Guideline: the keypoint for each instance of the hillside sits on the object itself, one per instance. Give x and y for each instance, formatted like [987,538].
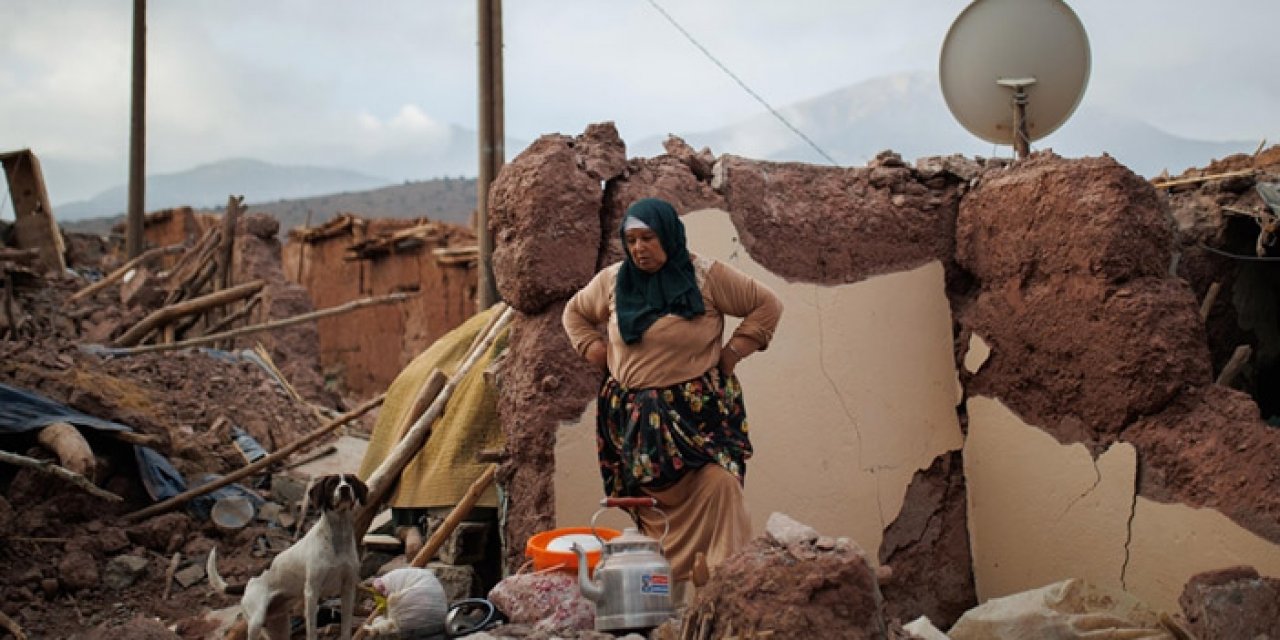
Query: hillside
[209,185]
[442,199]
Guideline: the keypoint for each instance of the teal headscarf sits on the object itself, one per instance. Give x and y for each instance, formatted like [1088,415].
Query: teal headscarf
[641,298]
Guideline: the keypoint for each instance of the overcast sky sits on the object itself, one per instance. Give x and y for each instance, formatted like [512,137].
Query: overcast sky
[296,81]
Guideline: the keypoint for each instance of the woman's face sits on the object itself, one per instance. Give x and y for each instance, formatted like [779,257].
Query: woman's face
[645,248]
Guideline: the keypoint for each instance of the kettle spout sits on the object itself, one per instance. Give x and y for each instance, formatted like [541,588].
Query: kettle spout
[590,590]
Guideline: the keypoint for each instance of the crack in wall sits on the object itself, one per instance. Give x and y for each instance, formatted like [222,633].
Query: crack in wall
[844,405]
[1097,480]
[1128,535]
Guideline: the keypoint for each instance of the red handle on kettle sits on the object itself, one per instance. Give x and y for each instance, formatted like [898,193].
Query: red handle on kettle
[628,503]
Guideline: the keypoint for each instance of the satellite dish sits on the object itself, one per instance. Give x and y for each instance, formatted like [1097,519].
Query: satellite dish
[1011,66]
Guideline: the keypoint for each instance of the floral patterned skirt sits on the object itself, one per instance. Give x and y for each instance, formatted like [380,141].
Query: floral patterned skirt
[650,438]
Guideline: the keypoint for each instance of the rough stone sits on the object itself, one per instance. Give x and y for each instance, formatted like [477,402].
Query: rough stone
[459,582]
[601,151]
[544,214]
[927,546]
[190,574]
[122,571]
[112,540]
[1232,603]
[701,163]
[78,570]
[833,225]
[1048,217]
[766,588]
[156,533]
[260,225]
[1080,358]
[786,531]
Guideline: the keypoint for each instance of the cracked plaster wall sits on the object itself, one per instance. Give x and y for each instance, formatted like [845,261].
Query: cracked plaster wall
[1041,511]
[855,395]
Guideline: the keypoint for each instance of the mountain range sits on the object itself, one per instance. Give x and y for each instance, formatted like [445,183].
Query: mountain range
[904,112]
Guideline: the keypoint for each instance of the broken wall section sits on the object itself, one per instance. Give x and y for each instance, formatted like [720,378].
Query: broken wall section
[351,258]
[547,209]
[1094,343]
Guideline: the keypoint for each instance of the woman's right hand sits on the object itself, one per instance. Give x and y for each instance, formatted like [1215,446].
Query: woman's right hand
[598,355]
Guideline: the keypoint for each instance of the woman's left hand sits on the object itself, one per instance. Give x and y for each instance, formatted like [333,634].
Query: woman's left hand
[728,361]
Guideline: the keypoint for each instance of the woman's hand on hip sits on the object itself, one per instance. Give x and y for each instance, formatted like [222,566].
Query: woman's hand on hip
[598,355]
[728,361]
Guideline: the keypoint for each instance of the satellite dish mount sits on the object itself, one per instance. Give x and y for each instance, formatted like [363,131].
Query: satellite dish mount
[1021,139]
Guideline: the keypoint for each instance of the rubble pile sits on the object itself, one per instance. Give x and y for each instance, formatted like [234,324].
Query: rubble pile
[74,566]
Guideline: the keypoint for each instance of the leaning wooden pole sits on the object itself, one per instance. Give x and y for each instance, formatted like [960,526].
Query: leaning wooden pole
[262,463]
[124,269]
[56,471]
[266,326]
[384,477]
[162,316]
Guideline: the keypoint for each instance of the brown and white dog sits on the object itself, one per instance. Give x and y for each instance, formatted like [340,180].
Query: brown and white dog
[324,563]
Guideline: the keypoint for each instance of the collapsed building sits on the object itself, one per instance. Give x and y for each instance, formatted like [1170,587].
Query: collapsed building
[990,375]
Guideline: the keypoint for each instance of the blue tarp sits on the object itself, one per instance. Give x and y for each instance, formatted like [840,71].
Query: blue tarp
[22,411]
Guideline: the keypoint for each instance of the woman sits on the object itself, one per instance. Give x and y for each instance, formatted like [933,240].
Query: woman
[670,421]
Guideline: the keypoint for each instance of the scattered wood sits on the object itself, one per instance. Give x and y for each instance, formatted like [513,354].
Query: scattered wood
[451,256]
[144,258]
[400,240]
[437,540]
[23,256]
[267,326]
[68,444]
[168,575]
[226,252]
[1210,297]
[192,265]
[385,476]
[262,463]
[335,227]
[12,627]
[60,473]
[1165,184]
[1239,358]
[233,317]
[165,315]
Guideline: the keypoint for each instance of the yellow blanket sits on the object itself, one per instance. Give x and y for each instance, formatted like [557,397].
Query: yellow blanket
[441,473]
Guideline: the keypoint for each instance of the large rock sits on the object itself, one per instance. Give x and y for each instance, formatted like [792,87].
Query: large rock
[1232,603]
[78,570]
[1048,217]
[1081,358]
[835,225]
[803,590]
[601,151]
[544,214]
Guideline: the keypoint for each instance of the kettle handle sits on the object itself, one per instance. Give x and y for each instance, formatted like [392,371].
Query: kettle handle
[626,503]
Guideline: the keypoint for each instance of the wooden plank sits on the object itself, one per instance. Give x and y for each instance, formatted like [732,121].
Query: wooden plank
[34,226]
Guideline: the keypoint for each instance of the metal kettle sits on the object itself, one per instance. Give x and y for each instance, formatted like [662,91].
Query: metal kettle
[632,585]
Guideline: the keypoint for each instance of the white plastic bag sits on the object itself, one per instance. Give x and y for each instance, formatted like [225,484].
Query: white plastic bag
[416,601]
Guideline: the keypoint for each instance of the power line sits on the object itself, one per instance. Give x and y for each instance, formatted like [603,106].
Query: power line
[742,84]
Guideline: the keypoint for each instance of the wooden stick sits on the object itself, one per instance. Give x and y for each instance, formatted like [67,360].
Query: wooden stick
[268,326]
[58,472]
[135,438]
[1239,358]
[168,575]
[12,627]
[1210,297]
[437,540]
[121,271]
[233,317]
[164,315]
[384,477]
[262,463]
[1198,179]
[193,264]
[20,255]
[227,251]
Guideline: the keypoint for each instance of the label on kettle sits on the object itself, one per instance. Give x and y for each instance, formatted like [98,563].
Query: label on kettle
[657,583]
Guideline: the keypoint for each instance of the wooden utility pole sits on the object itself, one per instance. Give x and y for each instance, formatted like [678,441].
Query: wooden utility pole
[492,153]
[137,131]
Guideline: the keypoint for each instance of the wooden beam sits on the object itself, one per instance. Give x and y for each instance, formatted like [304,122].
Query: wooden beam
[161,317]
[124,269]
[1198,179]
